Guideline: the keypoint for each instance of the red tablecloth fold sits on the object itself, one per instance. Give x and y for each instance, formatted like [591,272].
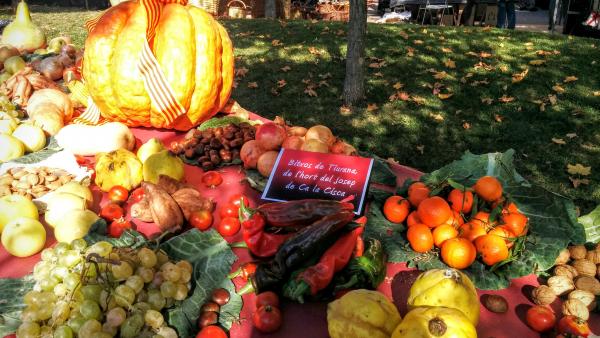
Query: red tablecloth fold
[310,320]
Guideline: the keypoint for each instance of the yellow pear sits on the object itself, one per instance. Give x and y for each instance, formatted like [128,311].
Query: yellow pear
[151,147]
[33,137]
[23,237]
[59,203]
[163,163]
[10,148]
[74,224]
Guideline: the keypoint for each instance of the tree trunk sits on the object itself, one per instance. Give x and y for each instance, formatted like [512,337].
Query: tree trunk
[354,83]
[270,9]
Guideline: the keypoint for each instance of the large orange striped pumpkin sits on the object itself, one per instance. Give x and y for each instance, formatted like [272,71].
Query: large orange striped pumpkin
[191,47]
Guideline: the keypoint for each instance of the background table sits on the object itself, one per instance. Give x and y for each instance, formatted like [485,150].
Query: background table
[310,320]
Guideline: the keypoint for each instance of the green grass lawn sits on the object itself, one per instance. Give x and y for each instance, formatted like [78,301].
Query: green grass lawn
[549,122]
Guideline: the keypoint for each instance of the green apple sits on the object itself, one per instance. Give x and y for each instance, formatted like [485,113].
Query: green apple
[10,148]
[24,237]
[151,147]
[33,137]
[74,224]
[16,206]
[7,126]
[78,189]
[59,203]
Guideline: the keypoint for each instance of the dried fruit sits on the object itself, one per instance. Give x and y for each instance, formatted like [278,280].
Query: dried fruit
[577,251]
[563,257]
[543,295]
[585,297]
[584,267]
[560,285]
[165,211]
[575,307]
[565,270]
[190,200]
[141,210]
[588,283]
[495,303]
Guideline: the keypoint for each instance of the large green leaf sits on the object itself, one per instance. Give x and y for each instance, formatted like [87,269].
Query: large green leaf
[12,291]
[129,238]
[216,122]
[591,224]
[552,221]
[212,259]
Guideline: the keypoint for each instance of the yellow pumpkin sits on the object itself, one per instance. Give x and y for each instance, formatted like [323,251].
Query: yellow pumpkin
[435,322]
[362,314]
[445,287]
[191,47]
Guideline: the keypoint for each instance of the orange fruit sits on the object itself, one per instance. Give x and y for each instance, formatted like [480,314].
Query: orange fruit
[458,253]
[461,201]
[455,220]
[434,211]
[396,209]
[488,188]
[515,221]
[492,248]
[420,238]
[413,218]
[442,233]
[504,232]
[471,231]
[511,207]
[482,218]
[417,192]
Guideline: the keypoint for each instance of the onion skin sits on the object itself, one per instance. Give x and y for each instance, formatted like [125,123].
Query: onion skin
[51,68]
[320,133]
[293,142]
[315,146]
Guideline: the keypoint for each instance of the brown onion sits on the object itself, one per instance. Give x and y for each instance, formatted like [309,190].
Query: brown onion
[51,68]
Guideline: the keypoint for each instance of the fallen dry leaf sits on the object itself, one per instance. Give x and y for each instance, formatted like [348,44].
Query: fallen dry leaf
[506,99]
[578,169]
[404,35]
[447,50]
[310,92]
[543,52]
[323,83]
[372,107]
[410,51]
[421,149]
[503,68]
[466,125]
[440,75]
[378,74]
[571,135]
[543,106]
[518,77]
[450,64]
[487,100]
[577,181]
[485,55]
[286,69]
[345,110]
[498,118]
[398,85]
[528,43]
[537,62]
[281,83]
[445,96]
[314,51]
[558,140]
[558,89]
[241,72]
[418,42]
[274,91]
[377,65]
[437,117]
[570,79]
[252,85]
[325,76]
[417,99]
[276,43]
[552,99]
[596,93]
[588,146]
[340,32]
[314,21]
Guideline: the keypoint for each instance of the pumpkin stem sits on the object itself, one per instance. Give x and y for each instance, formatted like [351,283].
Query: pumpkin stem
[437,327]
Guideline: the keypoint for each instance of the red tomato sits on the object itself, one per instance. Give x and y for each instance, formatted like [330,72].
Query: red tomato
[267,319]
[267,298]
[229,210]
[211,331]
[118,194]
[572,325]
[229,226]
[116,228]
[540,318]
[201,219]
[212,179]
[137,195]
[237,198]
[396,209]
[111,211]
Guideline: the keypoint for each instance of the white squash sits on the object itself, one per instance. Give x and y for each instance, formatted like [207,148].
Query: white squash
[90,140]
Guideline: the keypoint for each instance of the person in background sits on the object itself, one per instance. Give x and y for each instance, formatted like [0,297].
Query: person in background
[506,14]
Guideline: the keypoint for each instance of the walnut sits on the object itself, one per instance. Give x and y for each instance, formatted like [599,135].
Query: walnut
[593,256]
[577,251]
[565,270]
[575,307]
[543,295]
[585,297]
[560,285]
[563,257]
[584,267]
[588,283]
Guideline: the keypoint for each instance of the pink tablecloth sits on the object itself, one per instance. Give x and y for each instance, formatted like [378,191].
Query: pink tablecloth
[309,320]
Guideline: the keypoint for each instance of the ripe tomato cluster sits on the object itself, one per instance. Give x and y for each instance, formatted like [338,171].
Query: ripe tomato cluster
[114,213]
[462,223]
[267,317]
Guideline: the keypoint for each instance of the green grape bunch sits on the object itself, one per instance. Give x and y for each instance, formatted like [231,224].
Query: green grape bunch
[102,291]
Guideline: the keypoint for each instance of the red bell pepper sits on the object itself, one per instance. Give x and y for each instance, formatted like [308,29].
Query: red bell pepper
[259,242]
